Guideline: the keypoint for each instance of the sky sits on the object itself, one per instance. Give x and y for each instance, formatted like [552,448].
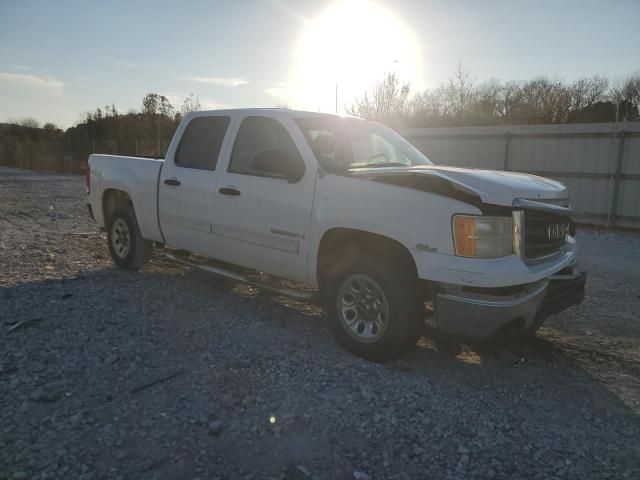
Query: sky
[61,59]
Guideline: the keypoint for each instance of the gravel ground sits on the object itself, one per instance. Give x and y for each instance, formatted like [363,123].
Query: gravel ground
[253,386]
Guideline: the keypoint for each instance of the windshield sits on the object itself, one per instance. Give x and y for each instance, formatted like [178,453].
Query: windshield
[342,144]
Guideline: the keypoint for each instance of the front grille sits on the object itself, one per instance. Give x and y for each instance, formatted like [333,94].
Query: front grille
[537,243]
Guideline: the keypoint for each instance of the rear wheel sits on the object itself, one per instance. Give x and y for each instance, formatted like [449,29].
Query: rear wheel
[372,308]
[126,245]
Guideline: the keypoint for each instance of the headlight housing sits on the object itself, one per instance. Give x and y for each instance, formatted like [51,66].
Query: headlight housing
[482,237]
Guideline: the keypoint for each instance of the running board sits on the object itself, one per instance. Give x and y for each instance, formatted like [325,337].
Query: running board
[287,292]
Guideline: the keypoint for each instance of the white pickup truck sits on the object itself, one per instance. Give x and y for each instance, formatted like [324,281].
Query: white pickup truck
[354,212]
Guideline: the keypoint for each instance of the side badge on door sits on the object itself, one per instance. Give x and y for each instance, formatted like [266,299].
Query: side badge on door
[285,233]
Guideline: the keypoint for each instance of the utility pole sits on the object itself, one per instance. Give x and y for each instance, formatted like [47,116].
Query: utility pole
[336,96]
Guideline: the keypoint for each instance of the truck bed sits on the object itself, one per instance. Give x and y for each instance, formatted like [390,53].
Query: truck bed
[138,177]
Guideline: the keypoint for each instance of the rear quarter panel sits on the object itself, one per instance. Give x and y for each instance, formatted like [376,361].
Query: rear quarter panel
[136,176]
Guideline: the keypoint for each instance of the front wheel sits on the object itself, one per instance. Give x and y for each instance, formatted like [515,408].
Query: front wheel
[372,308]
[126,245]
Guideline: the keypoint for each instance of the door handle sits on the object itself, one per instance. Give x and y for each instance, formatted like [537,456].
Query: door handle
[173,182]
[229,191]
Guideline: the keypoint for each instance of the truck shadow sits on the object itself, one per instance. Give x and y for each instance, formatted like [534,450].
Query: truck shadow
[182,301]
[551,360]
[222,345]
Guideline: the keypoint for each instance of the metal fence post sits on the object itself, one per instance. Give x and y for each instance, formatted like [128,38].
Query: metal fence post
[616,181]
[507,142]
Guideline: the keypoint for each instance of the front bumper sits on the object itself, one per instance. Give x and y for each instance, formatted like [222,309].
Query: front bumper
[480,314]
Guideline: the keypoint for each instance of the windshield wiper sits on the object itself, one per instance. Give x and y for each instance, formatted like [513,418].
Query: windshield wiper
[378,165]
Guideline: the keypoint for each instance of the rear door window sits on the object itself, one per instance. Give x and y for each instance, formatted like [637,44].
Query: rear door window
[201,143]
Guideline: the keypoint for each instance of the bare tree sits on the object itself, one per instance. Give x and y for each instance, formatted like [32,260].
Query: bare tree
[387,100]
[165,107]
[152,103]
[427,107]
[459,101]
[542,101]
[510,97]
[626,94]
[111,110]
[489,102]
[452,102]
[587,91]
[190,104]
[460,91]
[627,89]
[29,122]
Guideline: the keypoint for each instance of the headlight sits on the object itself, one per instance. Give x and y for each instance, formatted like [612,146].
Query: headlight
[482,237]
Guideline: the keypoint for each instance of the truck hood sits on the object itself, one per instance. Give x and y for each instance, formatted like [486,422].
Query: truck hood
[491,186]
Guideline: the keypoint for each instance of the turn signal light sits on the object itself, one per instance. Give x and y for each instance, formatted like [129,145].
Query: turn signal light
[480,236]
[464,234]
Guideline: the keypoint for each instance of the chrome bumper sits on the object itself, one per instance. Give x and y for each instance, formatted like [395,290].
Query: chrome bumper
[480,314]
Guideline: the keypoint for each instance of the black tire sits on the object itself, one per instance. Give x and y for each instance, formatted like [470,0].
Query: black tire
[404,321]
[138,250]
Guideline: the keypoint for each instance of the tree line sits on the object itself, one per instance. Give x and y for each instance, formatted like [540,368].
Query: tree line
[462,102]
[458,102]
[146,132]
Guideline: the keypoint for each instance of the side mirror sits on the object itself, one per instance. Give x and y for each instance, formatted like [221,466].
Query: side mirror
[278,163]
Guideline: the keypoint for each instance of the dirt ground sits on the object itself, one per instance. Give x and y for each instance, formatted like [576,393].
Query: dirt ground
[170,373]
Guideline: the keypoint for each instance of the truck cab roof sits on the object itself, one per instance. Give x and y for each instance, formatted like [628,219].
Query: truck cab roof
[279,112]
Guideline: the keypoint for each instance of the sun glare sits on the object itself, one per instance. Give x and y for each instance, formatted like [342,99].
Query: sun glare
[351,45]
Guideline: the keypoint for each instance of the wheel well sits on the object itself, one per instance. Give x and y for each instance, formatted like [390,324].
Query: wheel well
[338,243]
[113,199]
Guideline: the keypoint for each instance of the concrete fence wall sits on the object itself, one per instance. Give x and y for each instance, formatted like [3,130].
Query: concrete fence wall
[600,163]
